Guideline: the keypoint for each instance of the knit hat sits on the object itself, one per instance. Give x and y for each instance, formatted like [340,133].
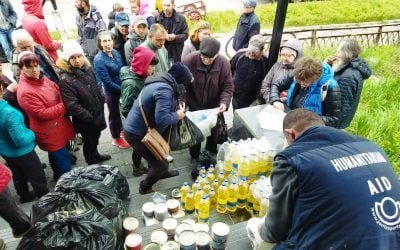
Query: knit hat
[249,3]
[139,20]
[209,47]
[71,48]
[122,18]
[256,43]
[22,54]
[181,73]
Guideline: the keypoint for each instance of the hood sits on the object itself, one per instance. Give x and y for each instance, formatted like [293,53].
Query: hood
[134,36]
[327,74]
[160,77]
[127,74]
[144,8]
[362,66]
[142,58]
[33,7]
[66,67]
[295,45]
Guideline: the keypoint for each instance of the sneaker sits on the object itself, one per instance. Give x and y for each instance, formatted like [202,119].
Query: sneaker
[101,158]
[139,170]
[2,245]
[121,143]
[170,159]
[122,134]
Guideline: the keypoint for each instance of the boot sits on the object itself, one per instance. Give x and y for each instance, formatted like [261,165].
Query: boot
[145,190]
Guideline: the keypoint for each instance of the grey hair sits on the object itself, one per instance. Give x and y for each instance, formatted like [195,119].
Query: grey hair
[350,48]
[19,35]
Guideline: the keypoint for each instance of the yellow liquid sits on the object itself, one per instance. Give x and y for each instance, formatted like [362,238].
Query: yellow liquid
[222,199]
[204,210]
[184,190]
[197,198]
[244,170]
[189,203]
[242,196]
[233,192]
[213,198]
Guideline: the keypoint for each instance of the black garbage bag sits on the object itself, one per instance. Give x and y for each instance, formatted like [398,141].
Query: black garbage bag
[109,175]
[73,230]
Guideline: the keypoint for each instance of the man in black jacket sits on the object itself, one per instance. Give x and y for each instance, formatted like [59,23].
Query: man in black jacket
[176,27]
[330,190]
[248,25]
[350,73]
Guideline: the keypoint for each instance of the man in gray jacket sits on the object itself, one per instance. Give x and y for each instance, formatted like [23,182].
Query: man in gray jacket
[89,23]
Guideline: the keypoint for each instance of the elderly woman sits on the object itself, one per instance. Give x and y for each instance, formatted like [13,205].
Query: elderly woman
[17,144]
[158,101]
[83,98]
[107,65]
[289,53]
[201,30]
[313,87]
[41,100]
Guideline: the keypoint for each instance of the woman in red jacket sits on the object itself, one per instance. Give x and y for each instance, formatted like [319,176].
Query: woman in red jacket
[9,211]
[42,102]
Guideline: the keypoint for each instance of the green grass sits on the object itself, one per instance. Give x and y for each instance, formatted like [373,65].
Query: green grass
[378,114]
[313,13]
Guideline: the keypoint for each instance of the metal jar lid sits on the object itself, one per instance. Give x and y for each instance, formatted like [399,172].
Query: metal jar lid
[176,193]
[148,209]
[170,224]
[190,222]
[202,239]
[173,205]
[133,240]
[130,224]
[201,227]
[183,227]
[170,245]
[159,237]
[187,239]
[220,229]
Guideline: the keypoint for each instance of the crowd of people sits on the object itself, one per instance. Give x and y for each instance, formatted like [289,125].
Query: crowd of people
[149,69]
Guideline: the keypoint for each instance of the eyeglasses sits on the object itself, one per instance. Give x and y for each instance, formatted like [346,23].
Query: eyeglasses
[205,58]
[287,55]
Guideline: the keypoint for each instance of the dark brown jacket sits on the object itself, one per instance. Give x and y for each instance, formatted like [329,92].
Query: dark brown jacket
[211,87]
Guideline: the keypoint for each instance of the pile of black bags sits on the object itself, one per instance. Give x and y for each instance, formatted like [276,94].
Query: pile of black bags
[85,211]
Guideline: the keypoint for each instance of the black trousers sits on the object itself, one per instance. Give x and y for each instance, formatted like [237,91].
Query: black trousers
[157,169]
[53,2]
[28,168]
[90,140]
[10,212]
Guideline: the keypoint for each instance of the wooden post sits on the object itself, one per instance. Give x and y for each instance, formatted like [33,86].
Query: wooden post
[313,38]
[378,35]
[276,38]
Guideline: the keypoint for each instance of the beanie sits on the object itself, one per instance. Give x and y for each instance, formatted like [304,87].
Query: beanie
[249,3]
[256,43]
[71,48]
[209,47]
[181,73]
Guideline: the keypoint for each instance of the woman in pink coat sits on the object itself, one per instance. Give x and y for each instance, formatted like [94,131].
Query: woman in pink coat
[42,102]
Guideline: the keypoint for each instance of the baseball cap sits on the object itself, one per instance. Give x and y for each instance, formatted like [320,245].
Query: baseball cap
[122,18]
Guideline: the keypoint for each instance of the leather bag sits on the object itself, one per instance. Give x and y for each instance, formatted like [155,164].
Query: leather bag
[153,141]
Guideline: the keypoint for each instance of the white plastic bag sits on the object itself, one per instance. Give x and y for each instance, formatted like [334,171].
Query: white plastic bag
[204,120]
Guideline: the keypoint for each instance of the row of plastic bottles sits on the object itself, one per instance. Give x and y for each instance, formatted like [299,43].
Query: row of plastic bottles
[228,196]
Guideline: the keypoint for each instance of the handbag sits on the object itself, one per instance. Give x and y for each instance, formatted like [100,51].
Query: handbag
[184,135]
[219,133]
[153,141]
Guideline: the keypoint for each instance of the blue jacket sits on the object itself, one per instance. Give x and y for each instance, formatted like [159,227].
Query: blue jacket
[313,100]
[15,138]
[158,103]
[347,194]
[107,71]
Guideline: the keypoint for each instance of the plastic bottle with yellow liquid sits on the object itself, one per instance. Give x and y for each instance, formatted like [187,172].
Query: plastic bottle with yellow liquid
[189,202]
[250,198]
[197,198]
[184,190]
[202,180]
[203,170]
[221,177]
[242,194]
[227,164]
[210,175]
[222,198]
[206,188]
[215,185]
[204,209]
[258,195]
[213,198]
[253,169]
[233,193]
[195,185]
[235,156]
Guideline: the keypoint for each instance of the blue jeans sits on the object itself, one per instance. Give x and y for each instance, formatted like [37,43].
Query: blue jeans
[60,162]
[5,41]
